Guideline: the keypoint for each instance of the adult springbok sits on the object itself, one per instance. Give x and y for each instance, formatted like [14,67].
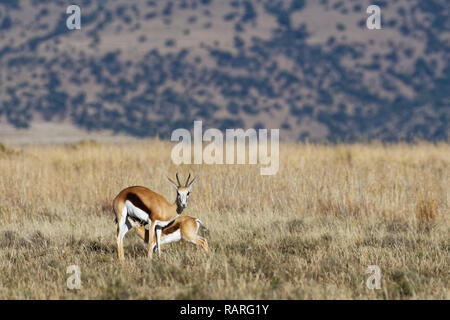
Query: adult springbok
[148,207]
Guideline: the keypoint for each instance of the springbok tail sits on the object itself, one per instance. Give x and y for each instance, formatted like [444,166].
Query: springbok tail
[115,216]
[204,229]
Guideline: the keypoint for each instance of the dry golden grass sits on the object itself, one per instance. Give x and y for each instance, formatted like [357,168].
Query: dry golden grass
[308,232]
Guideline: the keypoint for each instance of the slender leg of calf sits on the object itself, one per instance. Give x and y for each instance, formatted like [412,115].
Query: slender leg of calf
[142,233]
[200,241]
[204,243]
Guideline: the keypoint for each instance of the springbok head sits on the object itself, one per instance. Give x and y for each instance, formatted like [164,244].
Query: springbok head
[182,191]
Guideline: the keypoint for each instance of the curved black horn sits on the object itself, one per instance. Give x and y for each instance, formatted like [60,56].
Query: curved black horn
[179,184]
[187,181]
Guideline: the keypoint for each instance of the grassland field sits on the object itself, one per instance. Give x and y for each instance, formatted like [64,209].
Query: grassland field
[308,232]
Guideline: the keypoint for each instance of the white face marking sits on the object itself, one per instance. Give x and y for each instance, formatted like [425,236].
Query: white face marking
[183,196]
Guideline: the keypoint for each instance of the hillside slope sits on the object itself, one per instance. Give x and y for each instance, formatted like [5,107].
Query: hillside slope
[310,68]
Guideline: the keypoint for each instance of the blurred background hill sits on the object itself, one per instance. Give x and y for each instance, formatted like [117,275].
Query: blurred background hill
[310,68]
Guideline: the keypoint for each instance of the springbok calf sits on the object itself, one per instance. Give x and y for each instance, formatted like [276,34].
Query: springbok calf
[182,228]
[149,207]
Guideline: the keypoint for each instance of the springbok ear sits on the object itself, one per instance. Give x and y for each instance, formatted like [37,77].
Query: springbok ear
[172,183]
[192,183]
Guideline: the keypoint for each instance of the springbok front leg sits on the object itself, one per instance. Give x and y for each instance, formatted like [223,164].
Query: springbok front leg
[151,240]
[157,230]
[158,240]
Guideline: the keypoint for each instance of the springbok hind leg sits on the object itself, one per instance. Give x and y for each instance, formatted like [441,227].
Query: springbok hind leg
[203,243]
[189,232]
[122,228]
[199,241]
